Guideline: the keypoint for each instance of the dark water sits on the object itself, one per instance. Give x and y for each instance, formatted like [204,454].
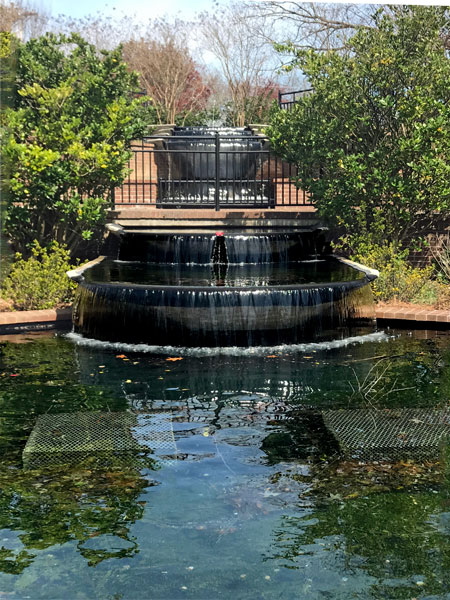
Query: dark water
[251,275]
[256,503]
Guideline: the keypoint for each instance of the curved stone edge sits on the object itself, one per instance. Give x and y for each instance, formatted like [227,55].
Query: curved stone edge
[115,229]
[371,274]
[77,274]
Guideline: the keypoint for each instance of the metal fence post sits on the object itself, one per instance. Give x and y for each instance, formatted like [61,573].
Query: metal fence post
[216,191]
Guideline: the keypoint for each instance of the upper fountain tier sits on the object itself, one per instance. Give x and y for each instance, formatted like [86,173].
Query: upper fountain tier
[198,247]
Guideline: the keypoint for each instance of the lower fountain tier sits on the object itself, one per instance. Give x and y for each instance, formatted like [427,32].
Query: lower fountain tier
[211,316]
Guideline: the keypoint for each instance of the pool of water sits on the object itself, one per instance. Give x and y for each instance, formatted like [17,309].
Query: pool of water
[255,502]
[229,275]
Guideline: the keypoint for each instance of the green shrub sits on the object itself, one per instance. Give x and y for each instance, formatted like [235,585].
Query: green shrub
[66,139]
[398,279]
[41,280]
[377,125]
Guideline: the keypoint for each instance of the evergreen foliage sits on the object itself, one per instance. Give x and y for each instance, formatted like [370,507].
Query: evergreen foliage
[66,139]
[372,142]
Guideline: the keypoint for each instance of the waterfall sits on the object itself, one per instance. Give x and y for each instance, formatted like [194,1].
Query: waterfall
[211,316]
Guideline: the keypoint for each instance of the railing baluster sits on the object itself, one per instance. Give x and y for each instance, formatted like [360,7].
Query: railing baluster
[217,193]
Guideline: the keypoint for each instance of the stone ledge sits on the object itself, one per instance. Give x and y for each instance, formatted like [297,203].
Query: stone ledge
[34,318]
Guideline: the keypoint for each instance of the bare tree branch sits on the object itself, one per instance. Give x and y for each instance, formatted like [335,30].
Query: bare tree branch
[246,66]
[321,26]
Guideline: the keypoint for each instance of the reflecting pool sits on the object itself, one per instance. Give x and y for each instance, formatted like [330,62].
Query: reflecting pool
[253,501]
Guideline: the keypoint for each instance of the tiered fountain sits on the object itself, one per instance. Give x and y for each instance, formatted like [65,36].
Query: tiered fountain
[222,289]
[231,288]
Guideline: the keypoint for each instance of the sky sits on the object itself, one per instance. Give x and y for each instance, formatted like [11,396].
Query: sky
[157,8]
[186,9]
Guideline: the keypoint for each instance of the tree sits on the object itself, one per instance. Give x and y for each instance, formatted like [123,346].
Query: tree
[377,126]
[254,108]
[321,26]
[246,67]
[167,71]
[66,139]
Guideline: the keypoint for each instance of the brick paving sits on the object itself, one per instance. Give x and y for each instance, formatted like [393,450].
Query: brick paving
[281,216]
[411,313]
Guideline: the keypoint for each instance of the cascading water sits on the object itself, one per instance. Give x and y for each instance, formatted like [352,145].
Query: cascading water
[223,289]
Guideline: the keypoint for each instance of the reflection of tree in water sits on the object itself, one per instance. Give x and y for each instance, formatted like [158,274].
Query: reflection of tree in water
[398,537]
[91,505]
[43,376]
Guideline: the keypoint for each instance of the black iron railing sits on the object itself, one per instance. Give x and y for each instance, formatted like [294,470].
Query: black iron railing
[217,170]
[287,100]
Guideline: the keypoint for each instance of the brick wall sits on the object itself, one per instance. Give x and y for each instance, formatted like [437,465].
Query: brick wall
[435,235]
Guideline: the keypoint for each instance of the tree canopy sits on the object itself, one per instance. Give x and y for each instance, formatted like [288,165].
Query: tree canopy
[372,142]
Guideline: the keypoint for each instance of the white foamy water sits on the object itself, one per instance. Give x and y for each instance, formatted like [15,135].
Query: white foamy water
[80,340]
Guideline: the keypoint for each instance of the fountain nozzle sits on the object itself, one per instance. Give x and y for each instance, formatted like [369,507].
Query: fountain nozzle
[219,252]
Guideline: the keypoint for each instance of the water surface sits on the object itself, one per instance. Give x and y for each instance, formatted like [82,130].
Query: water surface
[255,503]
[228,275]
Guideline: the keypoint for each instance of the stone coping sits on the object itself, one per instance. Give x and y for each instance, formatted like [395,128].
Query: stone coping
[20,319]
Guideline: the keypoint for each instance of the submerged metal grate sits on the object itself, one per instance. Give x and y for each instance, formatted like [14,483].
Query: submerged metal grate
[68,437]
[389,433]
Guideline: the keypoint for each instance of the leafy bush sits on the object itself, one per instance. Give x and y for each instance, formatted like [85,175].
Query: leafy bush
[41,280]
[442,258]
[377,125]
[66,139]
[398,279]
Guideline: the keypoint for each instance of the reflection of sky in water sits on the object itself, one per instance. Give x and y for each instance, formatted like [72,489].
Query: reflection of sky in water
[250,508]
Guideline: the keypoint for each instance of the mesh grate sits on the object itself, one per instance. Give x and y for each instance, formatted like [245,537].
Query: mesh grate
[390,433]
[68,437]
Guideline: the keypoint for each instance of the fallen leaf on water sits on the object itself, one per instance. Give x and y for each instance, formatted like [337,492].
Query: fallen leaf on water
[174,358]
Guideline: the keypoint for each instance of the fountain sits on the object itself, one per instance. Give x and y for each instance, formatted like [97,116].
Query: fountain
[230,288]
[222,289]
